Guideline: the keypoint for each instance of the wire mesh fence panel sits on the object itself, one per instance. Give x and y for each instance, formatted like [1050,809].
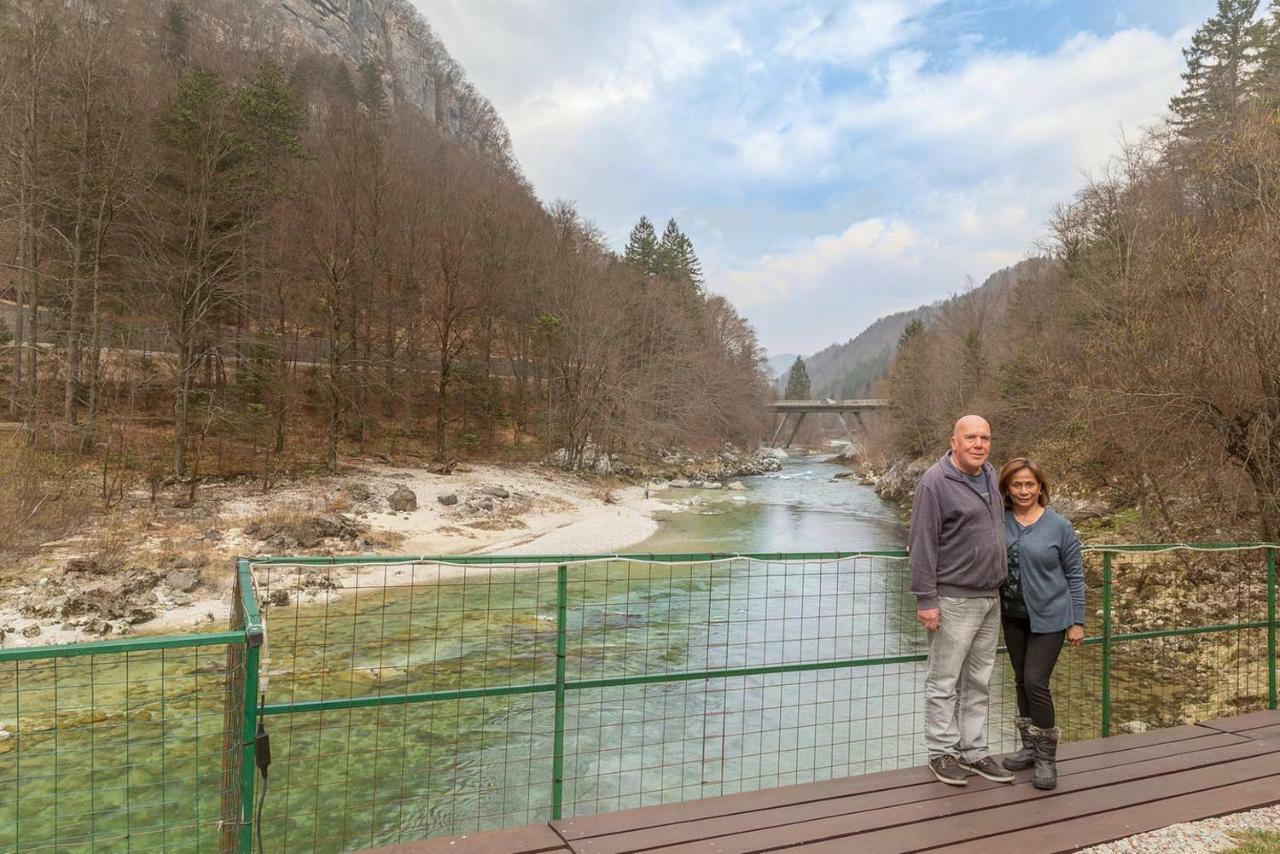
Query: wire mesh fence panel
[411,708]
[786,691]
[1190,636]
[117,751]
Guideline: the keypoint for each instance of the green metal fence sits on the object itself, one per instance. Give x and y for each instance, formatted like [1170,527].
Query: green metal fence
[416,697]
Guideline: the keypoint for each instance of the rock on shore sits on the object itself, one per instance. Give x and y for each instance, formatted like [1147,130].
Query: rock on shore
[716,466]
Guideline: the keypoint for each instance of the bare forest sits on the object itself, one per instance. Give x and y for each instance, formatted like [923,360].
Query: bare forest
[222,258]
[1141,357]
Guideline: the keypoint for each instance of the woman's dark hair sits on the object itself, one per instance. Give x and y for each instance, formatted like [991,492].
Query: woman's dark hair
[1015,465]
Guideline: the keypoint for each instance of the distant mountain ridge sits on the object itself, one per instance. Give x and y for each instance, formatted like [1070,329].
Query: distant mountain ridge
[780,364]
[851,369]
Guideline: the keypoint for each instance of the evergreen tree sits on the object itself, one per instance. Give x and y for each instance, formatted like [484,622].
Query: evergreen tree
[1269,56]
[913,403]
[642,247]
[797,381]
[1222,68]
[177,32]
[676,259]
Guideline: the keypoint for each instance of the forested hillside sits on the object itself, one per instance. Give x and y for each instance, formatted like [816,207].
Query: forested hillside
[229,247]
[1145,359]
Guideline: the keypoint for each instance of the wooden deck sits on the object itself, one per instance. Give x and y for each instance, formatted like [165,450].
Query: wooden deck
[1107,789]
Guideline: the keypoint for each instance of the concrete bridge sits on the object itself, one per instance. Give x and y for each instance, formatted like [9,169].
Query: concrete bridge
[801,408]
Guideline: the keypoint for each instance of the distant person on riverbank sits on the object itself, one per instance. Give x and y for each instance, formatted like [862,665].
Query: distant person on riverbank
[1042,601]
[957,566]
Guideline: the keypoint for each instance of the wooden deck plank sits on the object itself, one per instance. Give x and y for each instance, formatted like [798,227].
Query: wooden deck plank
[1238,723]
[933,834]
[533,839]
[926,789]
[1011,806]
[1105,827]
[743,802]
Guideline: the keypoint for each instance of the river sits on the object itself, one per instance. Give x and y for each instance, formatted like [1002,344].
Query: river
[461,765]
[352,778]
[802,508]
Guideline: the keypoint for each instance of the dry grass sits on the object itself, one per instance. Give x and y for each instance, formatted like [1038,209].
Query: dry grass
[43,496]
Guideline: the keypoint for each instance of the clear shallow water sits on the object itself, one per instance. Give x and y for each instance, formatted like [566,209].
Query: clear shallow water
[799,509]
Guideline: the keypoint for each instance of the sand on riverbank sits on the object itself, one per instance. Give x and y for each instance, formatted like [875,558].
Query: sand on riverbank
[499,509]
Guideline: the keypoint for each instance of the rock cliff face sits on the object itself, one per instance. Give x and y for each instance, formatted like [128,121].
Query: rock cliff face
[387,37]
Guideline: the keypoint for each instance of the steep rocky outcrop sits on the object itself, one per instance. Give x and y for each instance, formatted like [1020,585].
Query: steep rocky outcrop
[385,38]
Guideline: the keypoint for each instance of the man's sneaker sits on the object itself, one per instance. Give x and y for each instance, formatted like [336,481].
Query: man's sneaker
[988,768]
[948,770]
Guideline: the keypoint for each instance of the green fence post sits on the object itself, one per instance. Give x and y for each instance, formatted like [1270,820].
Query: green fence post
[557,758]
[1106,644]
[254,636]
[1271,628]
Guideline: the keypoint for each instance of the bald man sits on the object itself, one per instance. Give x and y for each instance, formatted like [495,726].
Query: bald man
[958,563]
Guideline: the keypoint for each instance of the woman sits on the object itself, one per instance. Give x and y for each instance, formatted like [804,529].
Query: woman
[1041,602]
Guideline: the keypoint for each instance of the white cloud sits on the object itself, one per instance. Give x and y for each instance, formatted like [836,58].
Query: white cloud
[852,33]
[841,163]
[779,277]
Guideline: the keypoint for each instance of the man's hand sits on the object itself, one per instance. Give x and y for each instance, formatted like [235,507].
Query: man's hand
[929,618]
[1075,635]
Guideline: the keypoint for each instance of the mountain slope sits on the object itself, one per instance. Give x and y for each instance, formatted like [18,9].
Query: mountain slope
[850,370]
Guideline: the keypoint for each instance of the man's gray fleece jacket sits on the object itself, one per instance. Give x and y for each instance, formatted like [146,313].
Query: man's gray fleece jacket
[957,537]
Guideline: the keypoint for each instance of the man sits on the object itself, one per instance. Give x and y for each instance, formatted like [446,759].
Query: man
[958,563]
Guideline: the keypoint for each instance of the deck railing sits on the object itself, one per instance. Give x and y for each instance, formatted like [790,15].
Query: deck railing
[422,696]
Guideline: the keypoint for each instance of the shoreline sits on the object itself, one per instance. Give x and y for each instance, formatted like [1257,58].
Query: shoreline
[495,509]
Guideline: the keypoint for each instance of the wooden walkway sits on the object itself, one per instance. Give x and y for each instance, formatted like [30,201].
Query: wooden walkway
[1107,789]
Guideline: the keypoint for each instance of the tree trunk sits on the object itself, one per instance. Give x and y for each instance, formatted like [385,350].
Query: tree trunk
[95,358]
[19,324]
[181,406]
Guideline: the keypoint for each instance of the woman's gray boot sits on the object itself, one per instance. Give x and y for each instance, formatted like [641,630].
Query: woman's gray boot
[1045,742]
[1025,756]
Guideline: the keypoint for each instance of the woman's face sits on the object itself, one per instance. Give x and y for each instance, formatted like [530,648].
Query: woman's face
[1024,489]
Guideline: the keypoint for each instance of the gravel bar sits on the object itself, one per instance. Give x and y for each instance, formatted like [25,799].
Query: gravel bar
[1193,837]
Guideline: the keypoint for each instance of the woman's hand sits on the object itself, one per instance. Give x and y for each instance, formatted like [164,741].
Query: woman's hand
[1075,635]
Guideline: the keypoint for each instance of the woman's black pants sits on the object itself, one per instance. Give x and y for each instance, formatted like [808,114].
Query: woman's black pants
[1033,656]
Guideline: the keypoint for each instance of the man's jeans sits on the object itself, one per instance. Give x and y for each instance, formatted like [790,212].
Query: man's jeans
[962,653]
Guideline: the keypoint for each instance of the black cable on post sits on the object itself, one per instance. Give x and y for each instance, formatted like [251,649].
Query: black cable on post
[262,758]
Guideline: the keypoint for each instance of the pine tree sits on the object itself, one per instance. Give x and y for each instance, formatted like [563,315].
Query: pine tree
[1269,56]
[797,381]
[676,259]
[642,247]
[1222,68]
[910,379]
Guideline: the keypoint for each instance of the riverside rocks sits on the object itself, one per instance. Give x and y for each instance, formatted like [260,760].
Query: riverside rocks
[80,597]
[717,466]
[403,500]
[898,482]
[305,532]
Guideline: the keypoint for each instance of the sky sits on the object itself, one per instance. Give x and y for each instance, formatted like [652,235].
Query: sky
[832,162]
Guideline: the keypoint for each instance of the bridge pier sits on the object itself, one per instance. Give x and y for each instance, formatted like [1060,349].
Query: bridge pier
[803,407]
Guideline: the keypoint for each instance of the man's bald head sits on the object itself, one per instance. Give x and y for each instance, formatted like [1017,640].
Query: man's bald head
[970,443]
[968,423]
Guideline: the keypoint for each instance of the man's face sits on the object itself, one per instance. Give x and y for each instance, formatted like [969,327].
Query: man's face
[971,444]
